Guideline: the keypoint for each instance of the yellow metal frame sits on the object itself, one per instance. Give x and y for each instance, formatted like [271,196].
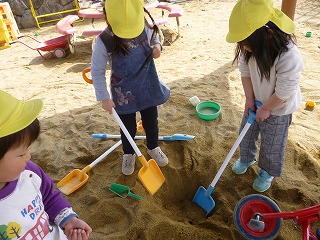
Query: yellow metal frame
[34,14]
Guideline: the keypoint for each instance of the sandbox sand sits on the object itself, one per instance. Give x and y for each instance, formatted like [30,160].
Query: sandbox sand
[199,63]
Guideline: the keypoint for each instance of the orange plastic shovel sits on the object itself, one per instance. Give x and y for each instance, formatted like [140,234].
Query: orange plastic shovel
[150,174]
[77,178]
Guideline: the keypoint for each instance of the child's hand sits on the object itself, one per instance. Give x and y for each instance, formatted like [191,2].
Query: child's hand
[262,114]
[76,229]
[107,105]
[156,50]
[77,234]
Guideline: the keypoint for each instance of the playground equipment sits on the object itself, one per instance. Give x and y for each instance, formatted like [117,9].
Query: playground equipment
[4,34]
[65,27]
[42,16]
[174,11]
[9,21]
[258,217]
[9,30]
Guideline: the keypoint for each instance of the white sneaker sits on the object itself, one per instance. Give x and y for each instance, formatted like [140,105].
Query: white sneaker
[158,156]
[128,163]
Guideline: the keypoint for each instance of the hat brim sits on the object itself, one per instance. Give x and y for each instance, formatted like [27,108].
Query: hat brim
[280,19]
[121,33]
[283,21]
[29,112]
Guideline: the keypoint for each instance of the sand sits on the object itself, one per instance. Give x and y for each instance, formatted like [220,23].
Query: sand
[199,63]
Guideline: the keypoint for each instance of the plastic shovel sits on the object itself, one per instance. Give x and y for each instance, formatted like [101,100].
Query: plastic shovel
[174,137]
[77,178]
[123,191]
[203,196]
[150,174]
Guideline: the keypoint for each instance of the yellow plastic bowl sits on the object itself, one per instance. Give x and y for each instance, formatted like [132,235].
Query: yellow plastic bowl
[208,110]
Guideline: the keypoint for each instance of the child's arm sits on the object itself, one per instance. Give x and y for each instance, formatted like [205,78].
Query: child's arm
[154,42]
[156,50]
[249,94]
[52,199]
[55,205]
[99,61]
[73,227]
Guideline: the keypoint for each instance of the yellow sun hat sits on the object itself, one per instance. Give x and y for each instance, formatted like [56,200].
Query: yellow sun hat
[249,15]
[15,114]
[126,17]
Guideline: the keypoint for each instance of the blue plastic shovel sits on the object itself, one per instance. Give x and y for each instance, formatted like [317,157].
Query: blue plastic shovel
[174,137]
[203,196]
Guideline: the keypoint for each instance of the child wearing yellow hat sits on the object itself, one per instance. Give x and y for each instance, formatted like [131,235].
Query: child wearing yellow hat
[30,206]
[129,46]
[270,65]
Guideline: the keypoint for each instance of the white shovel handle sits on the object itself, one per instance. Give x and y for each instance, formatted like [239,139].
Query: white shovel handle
[125,131]
[105,154]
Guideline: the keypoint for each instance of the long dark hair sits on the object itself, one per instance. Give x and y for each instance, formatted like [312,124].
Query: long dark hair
[25,136]
[119,45]
[155,27]
[266,43]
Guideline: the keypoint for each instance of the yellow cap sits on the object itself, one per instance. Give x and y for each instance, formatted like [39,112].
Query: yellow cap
[15,114]
[126,17]
[249,15]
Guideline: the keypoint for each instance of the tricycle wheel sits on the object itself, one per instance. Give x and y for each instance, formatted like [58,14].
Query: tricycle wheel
[59,52]
[253,229]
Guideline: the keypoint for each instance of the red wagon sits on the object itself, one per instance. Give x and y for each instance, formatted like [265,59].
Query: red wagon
[57,47]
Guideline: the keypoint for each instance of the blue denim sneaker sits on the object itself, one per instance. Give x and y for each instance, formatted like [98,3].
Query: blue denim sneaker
[240,168]
[262,182]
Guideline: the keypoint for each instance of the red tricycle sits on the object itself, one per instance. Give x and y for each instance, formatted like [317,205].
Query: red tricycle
[258,217]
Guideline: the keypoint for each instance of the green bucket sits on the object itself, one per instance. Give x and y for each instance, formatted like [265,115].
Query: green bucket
[208,110]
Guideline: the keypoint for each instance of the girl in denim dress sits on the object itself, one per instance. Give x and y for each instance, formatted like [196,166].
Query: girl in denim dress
[129,46]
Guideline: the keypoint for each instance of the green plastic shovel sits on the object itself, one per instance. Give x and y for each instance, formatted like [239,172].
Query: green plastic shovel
[123,191]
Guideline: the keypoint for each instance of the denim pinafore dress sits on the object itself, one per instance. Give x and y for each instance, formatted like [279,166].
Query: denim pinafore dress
[134,81]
